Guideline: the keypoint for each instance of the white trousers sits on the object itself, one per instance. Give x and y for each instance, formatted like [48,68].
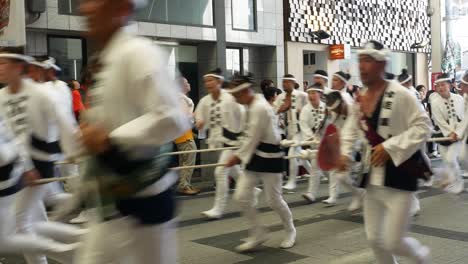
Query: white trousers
[386,219]
[222,180]
[124,241]
[463,158]
[272,187]
[294,164]
[450,156]
[29,210]
[39,243]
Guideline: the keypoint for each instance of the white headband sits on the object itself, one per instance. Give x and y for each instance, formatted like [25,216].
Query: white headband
[443,80]
[289,79]
[51,64]
[24,58]
[314,89]
[240,88]
[321,76]
[407,79]
[214,75]
[341,78]
[39,64]
[378,55]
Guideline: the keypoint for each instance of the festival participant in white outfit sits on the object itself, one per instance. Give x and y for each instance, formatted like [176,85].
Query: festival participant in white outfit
[261,154]
[289,105]
[312,121]
[462,132]
[16,170]
[321,77]
[340,83]
[38,124]
[223,117]
[340,114]
[406,80]
[135,114]
[395,126]
[448,110]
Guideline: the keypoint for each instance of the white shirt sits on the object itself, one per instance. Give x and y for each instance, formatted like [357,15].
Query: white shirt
[134,98]
[10,150]
[218,114]
[409,126]
[33,111]
[64,95]
[312,120]
[261,128]
[448,113]
[291,116]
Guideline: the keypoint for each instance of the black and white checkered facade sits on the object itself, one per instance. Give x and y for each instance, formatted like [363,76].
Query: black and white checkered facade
[396,23]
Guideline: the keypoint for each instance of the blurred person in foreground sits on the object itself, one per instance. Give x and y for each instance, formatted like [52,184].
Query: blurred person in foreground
[134,117]
[395,127]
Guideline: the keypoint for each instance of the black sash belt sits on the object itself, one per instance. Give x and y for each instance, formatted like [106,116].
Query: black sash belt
[45,168]
[47,147]
[230,135]
[156,209]
[6,170]
[12,190]
[269,165]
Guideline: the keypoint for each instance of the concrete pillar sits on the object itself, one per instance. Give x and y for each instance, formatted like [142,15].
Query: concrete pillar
[438,34]
[220,23]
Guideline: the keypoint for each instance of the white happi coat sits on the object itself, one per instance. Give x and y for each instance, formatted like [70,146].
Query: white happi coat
[312,120]
[463,126]
[291,116]
[134,98]
[64,96]
[12,151]
[261,128]
[218,115]
[34,111]
[403,124]
[448,113]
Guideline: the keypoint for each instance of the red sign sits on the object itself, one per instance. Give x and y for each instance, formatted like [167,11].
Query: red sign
[337,52]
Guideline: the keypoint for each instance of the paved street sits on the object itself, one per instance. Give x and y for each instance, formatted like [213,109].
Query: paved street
[325,235]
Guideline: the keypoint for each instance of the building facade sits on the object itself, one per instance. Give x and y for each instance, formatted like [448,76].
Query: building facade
[398,24]
[250,39]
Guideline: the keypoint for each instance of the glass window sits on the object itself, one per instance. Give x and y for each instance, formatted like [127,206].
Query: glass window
[69,55]
[233,62]
[183,12]
[244,14]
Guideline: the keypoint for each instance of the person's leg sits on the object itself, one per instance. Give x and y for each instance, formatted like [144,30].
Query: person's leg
[155,243]
[107,243]
[396,226]
[333,188]
[344,178]
[29,209]
[11,243]
[293,169]
[222,187]
[272,185]
[374,216]
[186,160]
[244,195]
[314,182]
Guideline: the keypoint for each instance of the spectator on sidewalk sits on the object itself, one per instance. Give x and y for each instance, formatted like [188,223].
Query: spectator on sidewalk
[186,143]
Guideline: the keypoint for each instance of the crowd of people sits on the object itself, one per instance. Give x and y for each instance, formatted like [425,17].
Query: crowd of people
[121,124]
